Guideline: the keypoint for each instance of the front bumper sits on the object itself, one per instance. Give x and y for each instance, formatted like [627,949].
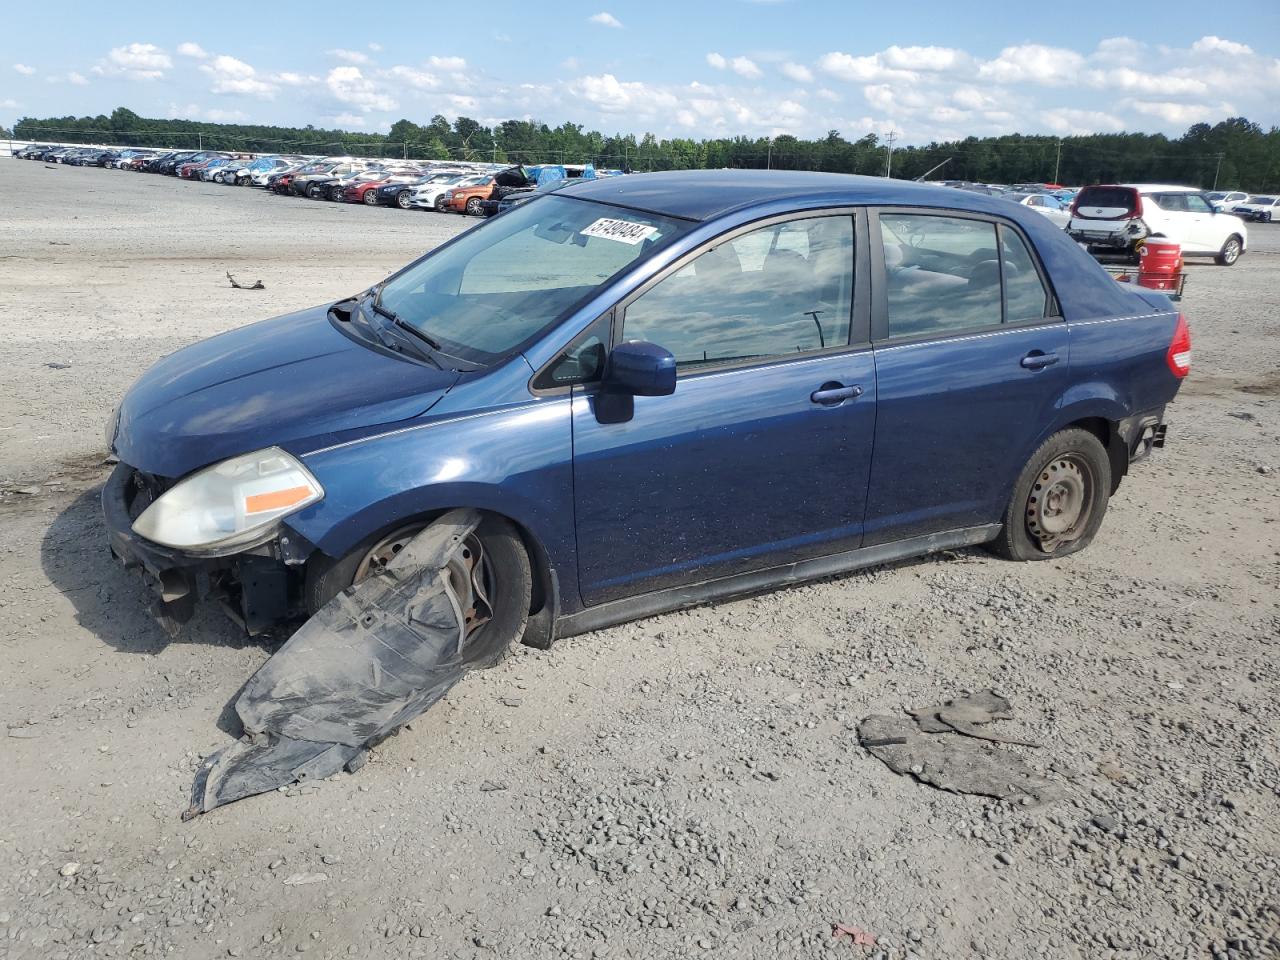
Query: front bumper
[257,588]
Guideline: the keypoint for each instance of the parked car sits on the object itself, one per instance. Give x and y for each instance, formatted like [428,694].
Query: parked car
[1260,208]
[1224,200]
[1043,203]
[1113,217]
[366,192]
[467,196]
[650,360]
[430,195]
[315,183]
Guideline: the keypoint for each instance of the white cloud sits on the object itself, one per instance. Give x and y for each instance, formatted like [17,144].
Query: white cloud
[375,46]
[744,67]
[23,69]
[797,72]
[929,59]
[1145,81]
[448,64]
[613,96]
[349,56]
[237,77]
[71,77]
[864,69]
[1033,63]
[225,116]
[135,61]
[1180,114]
[605,20]
[349,85]
[418,79]
[348,120]
[190,49]
[1069,121]
[288,79]
[1213,44]
[1119,50]
[717,61]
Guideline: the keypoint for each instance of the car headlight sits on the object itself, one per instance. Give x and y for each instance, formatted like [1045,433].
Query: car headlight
[230,505]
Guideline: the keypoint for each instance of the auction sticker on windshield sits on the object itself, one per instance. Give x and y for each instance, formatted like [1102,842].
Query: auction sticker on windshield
[624,231]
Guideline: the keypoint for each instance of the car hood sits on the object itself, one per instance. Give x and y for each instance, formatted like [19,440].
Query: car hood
[293,381]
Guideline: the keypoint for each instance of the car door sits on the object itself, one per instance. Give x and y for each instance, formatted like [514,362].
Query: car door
[761,455]
[971,357]
[1210,228]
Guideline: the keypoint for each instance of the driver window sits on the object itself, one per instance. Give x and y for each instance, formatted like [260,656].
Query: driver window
[1198,204]
[777,291]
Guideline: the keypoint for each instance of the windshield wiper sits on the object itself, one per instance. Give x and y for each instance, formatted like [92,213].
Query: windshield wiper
[402,325]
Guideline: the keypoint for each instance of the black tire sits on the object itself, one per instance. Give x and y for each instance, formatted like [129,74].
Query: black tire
[315,191]
[1230,252]
[473,207]
[507,567]
[371,198]
[439,204]
[403,199]
[1071,464]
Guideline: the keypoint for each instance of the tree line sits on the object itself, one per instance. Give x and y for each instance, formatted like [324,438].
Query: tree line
[1234,153]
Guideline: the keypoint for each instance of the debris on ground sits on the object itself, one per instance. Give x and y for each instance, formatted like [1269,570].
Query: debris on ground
[256,285]
[369,661]
[857,935]
[936,745]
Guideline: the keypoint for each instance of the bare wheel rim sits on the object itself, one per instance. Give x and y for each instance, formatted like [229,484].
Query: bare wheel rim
[1232,250]
[470,573]
[1060,502]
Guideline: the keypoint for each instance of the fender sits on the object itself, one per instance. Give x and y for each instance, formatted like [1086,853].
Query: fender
[515,461]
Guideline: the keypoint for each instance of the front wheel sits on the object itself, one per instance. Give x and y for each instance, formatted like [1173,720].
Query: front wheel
[1059,499]
[490,576]
[473,206]
[403,199]
[370,198]
[1230,252]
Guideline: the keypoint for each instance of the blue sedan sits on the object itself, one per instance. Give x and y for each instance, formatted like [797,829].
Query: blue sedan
[657,391]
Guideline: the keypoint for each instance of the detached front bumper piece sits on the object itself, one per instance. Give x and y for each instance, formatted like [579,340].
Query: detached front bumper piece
[368,662]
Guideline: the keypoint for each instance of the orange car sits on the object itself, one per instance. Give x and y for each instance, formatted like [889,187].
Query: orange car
[467,196]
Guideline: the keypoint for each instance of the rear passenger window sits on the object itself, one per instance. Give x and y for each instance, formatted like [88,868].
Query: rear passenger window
[1024,293]
[943,274]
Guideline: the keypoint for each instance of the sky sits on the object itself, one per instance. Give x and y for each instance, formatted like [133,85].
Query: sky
[924,70]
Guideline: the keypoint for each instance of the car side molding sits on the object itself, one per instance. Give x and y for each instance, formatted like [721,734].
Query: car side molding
[755,581]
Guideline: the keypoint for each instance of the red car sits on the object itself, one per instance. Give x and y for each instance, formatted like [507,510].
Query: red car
[366,191]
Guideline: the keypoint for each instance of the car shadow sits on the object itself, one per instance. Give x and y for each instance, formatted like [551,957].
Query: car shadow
[113,603]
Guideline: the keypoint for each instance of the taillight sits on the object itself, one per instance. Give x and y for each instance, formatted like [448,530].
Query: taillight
[1179,355]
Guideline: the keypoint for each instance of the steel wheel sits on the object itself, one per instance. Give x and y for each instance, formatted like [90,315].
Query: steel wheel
[1061,502]
[470,573]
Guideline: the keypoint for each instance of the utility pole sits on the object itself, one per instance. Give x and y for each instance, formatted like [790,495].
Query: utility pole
[404,149]
[769,161]
[1058,162]
[1216,170]
[200,141]
[888,163]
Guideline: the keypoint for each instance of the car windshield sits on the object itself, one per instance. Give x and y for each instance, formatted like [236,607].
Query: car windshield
[1265,201]
[497,285]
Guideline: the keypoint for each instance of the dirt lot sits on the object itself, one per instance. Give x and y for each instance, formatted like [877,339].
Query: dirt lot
[689,785]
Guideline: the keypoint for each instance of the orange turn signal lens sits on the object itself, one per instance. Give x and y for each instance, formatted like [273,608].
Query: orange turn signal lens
[275,499]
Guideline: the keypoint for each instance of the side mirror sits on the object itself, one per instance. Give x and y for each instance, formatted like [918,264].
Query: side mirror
[640,369]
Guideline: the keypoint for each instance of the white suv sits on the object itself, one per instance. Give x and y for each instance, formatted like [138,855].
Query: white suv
[1114,217]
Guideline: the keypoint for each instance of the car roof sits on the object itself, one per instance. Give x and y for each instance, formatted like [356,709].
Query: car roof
[1160,187]
[710,194]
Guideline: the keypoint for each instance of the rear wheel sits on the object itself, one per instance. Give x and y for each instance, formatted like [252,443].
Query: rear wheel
[490,576]
[371,198]
[1230,251]
[1059,499]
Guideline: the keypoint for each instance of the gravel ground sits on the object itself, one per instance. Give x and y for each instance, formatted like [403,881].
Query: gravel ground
[687,785]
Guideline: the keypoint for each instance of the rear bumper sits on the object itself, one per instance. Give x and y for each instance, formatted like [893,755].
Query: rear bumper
[257,588]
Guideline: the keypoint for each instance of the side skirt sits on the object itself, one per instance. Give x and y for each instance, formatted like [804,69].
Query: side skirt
[755,581]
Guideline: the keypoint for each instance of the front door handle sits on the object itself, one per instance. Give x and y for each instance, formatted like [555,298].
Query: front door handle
[1038,360]
[829,394]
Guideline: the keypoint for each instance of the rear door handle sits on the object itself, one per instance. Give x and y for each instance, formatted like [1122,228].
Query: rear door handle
[829,394]
[1038,360]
